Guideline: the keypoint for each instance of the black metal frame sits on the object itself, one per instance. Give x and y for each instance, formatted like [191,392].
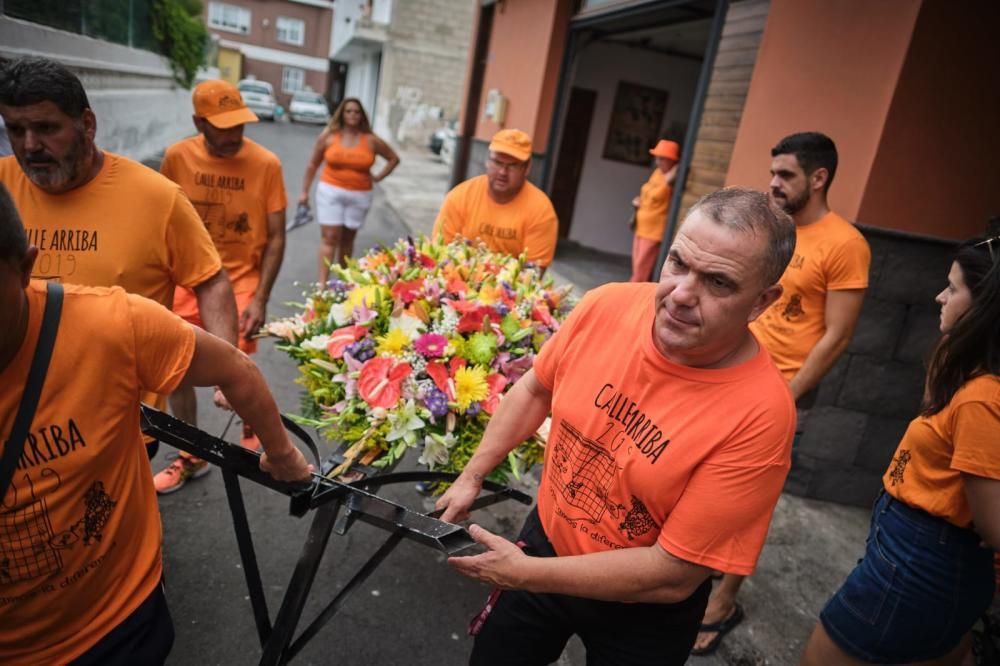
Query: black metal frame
[338,506]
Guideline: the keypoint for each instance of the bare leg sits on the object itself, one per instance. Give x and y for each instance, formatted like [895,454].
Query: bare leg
[184,404]
[721,605]
[821,650]
[328,250]
[346,244]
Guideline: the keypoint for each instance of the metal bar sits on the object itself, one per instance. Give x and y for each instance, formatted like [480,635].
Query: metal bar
[248,556]
[694,123]
[299,586]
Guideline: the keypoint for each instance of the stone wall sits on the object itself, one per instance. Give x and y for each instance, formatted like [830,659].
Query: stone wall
[868,398]
[139,108]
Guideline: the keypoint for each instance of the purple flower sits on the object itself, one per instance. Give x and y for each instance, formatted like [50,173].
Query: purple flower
[473,409]
[437,402]
[362,350]
[431,345]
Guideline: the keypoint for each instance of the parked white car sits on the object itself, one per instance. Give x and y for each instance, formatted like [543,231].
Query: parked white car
[308,107]
[259,97]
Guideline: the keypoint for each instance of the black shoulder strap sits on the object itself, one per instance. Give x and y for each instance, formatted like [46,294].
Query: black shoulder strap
[33,387]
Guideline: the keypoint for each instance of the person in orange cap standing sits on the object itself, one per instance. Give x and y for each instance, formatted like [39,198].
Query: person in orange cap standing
[651,210]
[501,208]
[237,187]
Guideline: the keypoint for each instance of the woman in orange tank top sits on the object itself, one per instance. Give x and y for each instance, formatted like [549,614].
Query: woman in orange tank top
[346,148]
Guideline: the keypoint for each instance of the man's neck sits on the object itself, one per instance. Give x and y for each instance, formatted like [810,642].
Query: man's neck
[812,212]
[12,337]
[506,199]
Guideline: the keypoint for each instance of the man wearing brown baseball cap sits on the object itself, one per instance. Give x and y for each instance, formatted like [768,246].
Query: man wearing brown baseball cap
[501,208]
[237,187]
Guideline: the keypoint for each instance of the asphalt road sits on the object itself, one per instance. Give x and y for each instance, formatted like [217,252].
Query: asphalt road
[413,610]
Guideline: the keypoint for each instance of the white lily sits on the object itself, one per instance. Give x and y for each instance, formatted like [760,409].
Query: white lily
[316,343]
[403,424]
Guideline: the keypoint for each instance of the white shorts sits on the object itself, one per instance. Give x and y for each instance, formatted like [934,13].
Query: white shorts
[337,207]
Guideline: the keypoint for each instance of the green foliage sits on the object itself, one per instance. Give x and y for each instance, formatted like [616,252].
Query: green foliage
[181,35]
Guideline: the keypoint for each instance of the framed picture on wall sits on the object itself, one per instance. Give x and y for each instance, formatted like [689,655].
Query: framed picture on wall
[635,123]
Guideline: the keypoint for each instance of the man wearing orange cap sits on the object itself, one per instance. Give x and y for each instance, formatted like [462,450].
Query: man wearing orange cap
[100,219]
[236,185]
[501,208]
[651,210]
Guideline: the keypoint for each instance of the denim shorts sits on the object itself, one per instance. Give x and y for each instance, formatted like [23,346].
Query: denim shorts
[920,587]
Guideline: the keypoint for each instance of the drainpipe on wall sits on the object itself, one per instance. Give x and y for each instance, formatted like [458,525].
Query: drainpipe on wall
[694,124]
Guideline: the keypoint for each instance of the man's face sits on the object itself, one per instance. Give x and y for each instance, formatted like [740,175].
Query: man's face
[711,286]
[220,142]
[665,164]
[54,150]
[789,184]
[505,175]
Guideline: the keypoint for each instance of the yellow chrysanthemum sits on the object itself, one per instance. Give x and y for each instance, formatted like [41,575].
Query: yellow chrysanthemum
[470,386]
[394,342]
[366,293]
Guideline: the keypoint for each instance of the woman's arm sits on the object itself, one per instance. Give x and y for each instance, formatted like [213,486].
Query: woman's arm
[983,495]
[313,165]
[385,151]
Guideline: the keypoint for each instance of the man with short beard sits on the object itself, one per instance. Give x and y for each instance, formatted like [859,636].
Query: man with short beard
[812,323]
[100,219]
[237,187]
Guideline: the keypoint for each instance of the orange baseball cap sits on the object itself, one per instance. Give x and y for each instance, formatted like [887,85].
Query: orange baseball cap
[220,103]
[512,142]
[669,149]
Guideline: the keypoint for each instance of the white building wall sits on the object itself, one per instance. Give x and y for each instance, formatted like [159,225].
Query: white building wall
[606,186]
[362,81]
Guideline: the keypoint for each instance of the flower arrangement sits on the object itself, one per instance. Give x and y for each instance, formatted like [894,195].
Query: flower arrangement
[413,346]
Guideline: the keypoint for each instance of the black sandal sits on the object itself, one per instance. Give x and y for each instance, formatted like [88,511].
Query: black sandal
[720,628]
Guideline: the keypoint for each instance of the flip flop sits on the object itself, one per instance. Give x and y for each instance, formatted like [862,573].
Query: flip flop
[720,628]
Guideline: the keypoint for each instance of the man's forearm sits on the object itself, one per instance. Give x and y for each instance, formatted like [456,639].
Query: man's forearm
[270,264]
[819,361]
[217,306]
[250,397]
[646,574]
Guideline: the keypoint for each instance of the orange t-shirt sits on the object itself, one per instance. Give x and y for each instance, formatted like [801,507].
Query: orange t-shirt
[348,168]
[643,450]
[526,224]
[234,196]
[830,255]
[926,470]
[654,200]
[80,531]
[128,227]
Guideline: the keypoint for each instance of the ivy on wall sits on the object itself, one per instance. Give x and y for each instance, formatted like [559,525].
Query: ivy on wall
[181,35]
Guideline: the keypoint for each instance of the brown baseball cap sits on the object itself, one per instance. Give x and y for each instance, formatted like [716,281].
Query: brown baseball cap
[512,142]
[220,103]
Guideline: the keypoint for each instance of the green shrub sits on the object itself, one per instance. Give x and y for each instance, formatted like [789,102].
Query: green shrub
[182,36]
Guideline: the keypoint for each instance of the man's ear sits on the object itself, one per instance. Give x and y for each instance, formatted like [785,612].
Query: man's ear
[27,265]
[89,123]
[765,299]
[818,178]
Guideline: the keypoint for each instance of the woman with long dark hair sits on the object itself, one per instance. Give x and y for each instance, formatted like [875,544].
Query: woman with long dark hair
[346,148]
[927,573]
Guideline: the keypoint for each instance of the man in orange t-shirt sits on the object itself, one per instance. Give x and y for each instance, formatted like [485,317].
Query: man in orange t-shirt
[501,208]
[670,441]
[100,219]
[81,567]
[236,185]
[651,209]
[808,329]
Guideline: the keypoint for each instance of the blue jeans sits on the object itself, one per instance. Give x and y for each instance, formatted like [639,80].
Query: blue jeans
[918,590]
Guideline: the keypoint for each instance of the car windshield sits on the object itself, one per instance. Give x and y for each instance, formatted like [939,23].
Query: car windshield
[254,88]
[310,98]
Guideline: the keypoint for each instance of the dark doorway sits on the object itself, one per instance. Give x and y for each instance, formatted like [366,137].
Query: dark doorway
[572,150]
[337,83]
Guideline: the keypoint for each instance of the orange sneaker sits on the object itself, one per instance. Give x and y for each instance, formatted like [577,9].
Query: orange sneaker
[179,472]
[250,441]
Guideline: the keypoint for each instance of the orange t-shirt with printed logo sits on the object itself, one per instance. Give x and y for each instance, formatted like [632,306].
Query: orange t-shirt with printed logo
[348,167]
[79,526]
[233,196]
[926,470]
[526,224]
[643,450]
[654,200]
[830,255]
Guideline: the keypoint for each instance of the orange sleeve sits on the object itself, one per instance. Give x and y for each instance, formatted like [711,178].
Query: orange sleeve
[168,165]
[191,253]
[849,264]
[542,233]
[449,220]
[277,199]
[164,345]
[721,520]
[976,433]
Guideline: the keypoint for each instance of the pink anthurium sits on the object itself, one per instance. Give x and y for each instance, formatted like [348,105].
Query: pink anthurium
[381,381]
[342,338]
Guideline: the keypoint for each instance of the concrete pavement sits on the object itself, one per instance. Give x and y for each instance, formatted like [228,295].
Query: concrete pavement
[415,609]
